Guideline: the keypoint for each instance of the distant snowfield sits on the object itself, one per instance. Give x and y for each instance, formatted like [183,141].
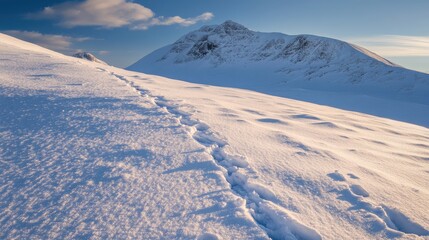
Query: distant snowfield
[93,151]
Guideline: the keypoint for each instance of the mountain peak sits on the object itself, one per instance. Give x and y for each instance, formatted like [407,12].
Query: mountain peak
[231,25]
[228,27]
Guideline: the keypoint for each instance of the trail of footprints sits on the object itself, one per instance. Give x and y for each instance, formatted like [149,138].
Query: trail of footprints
[392,220]
[260,201]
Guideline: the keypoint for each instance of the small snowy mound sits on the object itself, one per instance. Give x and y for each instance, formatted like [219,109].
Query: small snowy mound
[88,56]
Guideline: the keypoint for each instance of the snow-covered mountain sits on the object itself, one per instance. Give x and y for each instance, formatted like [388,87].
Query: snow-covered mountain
[231,55]
[88,56]
[90,151]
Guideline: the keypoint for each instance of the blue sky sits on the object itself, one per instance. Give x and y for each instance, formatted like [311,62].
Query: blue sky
[122,31]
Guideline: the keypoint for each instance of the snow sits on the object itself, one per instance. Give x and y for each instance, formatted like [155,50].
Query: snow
[93,151]
[83,155]
[303,67]
[333,173]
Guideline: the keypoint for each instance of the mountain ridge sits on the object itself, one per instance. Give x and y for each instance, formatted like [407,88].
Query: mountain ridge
[231,55]
[298,42]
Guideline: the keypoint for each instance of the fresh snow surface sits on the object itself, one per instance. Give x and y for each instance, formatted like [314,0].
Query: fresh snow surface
[303,67]
[93,151]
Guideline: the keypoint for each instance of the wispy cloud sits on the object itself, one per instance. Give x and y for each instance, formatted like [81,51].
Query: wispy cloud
[395,45]
[111,14]
[54,42]
[162,21]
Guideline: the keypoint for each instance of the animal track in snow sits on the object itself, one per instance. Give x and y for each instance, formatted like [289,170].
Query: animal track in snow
[337,176]
[276,221]
[351,175]
[359,190]
[386,218]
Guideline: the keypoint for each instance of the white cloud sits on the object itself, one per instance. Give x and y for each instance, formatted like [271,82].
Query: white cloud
[54,42]
[111,14]
[395,45]
[163,21]
[105,13]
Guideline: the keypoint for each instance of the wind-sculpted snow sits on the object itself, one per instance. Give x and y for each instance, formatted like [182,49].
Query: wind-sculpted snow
[304,67]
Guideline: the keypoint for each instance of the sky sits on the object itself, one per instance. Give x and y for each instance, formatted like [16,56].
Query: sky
[122,31]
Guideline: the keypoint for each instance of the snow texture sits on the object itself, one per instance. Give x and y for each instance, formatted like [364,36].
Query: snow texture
[91,151]
[84,156]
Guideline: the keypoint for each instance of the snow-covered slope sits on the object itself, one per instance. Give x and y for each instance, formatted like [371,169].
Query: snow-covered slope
[234,56]
[91,151]
[84,156]
[88,56]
